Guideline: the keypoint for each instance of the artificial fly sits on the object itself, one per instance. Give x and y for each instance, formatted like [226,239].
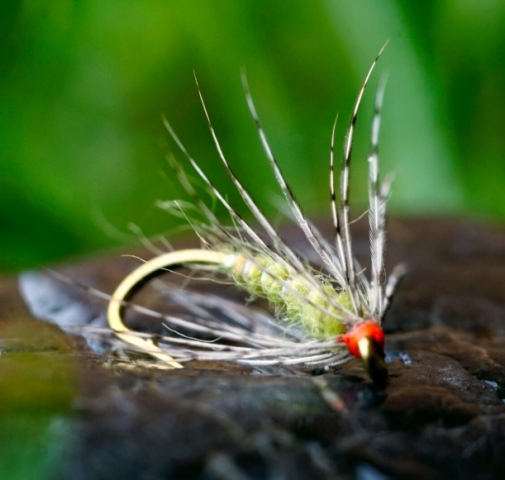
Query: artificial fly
[325,319]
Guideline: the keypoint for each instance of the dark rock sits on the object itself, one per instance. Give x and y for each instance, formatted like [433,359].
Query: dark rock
[442,414]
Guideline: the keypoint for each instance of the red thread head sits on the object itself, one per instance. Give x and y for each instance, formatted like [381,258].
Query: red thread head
[369,329]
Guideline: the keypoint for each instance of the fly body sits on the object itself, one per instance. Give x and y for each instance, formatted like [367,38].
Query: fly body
[326,318]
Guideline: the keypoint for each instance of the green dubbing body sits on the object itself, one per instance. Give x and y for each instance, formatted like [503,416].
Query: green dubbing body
[299,300]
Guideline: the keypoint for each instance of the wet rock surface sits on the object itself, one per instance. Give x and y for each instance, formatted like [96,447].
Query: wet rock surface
[441,416]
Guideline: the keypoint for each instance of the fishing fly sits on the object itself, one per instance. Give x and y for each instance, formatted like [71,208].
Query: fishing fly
[324,318]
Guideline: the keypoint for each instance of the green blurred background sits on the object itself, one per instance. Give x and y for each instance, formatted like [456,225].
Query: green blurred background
[83,86]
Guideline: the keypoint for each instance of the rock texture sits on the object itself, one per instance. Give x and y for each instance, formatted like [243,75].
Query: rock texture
[441,416]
